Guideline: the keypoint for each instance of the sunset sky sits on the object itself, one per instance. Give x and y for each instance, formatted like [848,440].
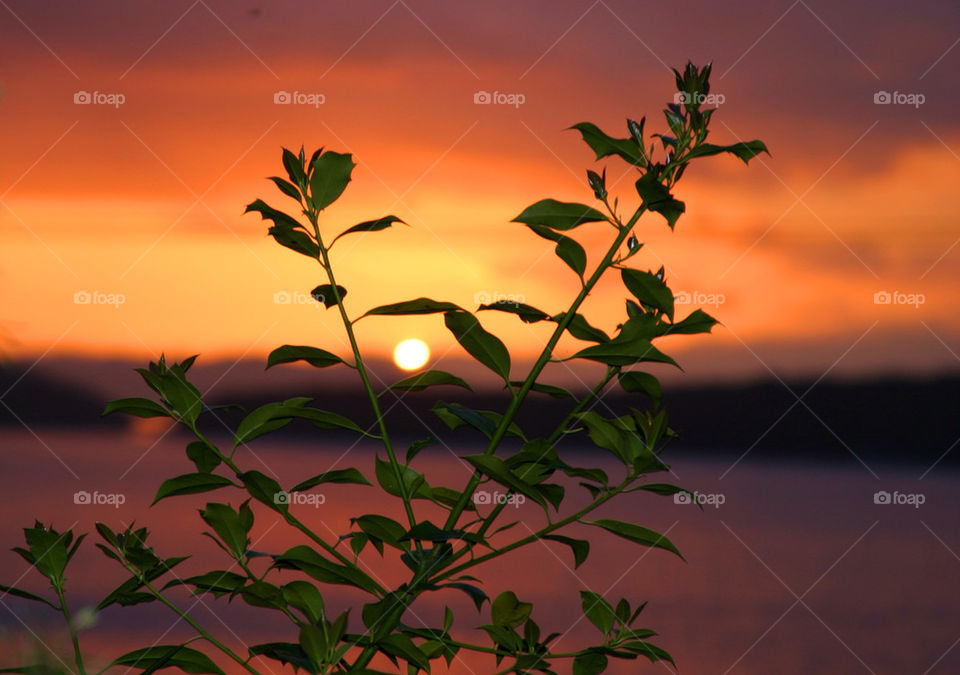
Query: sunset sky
[143,200]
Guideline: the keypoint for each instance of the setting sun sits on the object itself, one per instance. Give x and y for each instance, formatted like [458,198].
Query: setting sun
[411,354]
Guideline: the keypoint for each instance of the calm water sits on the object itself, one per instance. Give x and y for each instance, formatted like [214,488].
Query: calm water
[797,571]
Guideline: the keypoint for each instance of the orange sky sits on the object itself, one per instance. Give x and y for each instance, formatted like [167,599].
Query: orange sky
[144,200]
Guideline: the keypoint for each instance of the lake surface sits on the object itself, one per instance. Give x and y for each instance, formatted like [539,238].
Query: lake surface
[798,570]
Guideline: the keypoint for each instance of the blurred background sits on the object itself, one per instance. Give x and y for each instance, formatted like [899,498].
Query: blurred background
[134,134]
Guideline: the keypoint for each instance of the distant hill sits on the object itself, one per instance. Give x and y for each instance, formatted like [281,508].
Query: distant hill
[898,419]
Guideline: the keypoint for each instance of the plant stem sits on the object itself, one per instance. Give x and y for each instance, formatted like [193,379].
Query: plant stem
[551,440]
[541,362]
[186,617]
[290,518]
[362,369]
[539,534]
[77,654]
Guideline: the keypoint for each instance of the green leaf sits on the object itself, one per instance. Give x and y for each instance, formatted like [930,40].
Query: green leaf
[697,322]
[662,489]
[294,167]
[649,290]
[581,329]
[324,294]
[233,527]
[558,215]
[264,489]
[526,313]
[598,611]
[263,594]
[313,643]
[312,563]
[590,663]
[168,656]
[383,529]
[414,481]
[567,249]
[476,594]
[624,353]
[605,434]
[636,533]
[548,389]
[651,651]
[455,415]
[12,590]
[604,145]
[481,345]
[267,418]
[745,151]
[203,456]
[580,547]
[495,468]
[315,357]
[507,610]
[656,197]
[286,230]
[572,253]
[287,188]
[397,644]
[417,446]
[637,382]
[379,616]
[324,419]
[190,483]
[295,240]
[287,653]
[370,226]
[140,407]
[429,378]
[350,475]
[418,306]
[330,175]
[216,582]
